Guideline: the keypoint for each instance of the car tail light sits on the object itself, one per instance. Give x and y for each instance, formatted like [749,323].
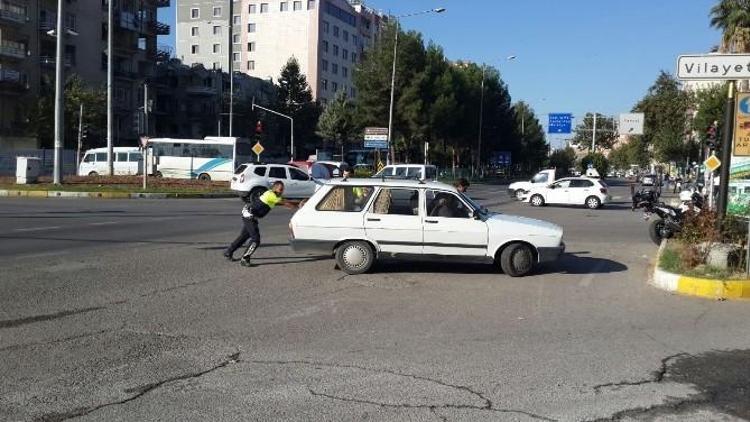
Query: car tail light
[603,190]
[242,178]
[291,231]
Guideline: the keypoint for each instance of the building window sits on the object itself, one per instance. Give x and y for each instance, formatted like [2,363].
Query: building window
[236,57]
[70,21]
[251,27]
[194,49]
[297,5]
[310,4]
[252,8]
[335,50]
[345,54]
[325,46]
[217,48]
[324,65]
[195,13]
[346,35]
[344,71]
[284,6]
[251,65]
[334,68]
[194,31]
[236,38]
[264,8]
[334,86]
[324,84]
[236,20]
[251,46]
[217,30]
[335,31]
[354,57]
[326,27]
[355,40]
[217,12]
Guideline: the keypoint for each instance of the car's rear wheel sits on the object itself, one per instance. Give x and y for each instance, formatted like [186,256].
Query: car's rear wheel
[519,194]
[93,173]
[517,260]
[204,177]
[537,200]
[593,202]
[158,174]
[355,257]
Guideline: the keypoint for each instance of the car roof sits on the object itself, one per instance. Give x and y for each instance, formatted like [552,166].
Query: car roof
[114,149]
[395,183]
[591,179]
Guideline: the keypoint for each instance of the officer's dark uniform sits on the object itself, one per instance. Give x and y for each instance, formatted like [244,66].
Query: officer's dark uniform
[252,211]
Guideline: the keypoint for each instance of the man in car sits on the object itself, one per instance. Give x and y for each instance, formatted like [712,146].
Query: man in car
[251,212]
[461,185]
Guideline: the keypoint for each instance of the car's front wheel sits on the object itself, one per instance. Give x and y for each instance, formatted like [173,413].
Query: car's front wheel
[537,200]
[517,260]
[520,194]
[593,202]
[355,257]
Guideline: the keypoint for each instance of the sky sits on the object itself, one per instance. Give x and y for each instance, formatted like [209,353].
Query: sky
[573,56]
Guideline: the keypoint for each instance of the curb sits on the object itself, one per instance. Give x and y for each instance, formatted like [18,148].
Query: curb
[701,287]
[109,195]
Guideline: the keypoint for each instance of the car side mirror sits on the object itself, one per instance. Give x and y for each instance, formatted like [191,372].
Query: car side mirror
[552,187]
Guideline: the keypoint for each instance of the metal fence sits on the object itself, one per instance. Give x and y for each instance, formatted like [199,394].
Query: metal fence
[8,160]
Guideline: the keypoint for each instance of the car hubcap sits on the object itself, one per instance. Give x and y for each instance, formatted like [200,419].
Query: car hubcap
[355,257]
[537,201]
[592,203]
[521,260]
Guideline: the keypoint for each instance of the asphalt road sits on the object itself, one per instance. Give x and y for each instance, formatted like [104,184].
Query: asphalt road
[125,311]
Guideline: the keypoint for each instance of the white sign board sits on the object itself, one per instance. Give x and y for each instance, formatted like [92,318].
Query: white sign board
[376,134]
[631,124]
[713,67]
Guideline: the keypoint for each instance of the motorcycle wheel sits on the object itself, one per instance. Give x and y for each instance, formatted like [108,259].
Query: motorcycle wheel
[657,230]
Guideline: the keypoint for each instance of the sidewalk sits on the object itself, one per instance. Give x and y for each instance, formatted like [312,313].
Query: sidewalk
[14,193]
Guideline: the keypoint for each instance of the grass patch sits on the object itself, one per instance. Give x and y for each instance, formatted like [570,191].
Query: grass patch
[671,260]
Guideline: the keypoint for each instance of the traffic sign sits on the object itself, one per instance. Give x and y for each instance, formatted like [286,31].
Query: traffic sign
[713,67]
[712,163]
[742,126]
[560,123]
[631,124]
[144,141]
[376,144]
[376,134]
[258,148]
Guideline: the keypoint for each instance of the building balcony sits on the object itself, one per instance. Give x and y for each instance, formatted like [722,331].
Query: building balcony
[50,25]
[49,61]
[13,52]
[13,80]
[200,90]
[7,16]
[159,28]
[162,3]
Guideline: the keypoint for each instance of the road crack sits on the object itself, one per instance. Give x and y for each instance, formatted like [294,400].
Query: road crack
[139,391]
[487,404]
[656,376]
[60,340]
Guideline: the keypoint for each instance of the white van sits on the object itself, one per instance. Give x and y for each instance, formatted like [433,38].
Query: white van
[126,161]
[408,171]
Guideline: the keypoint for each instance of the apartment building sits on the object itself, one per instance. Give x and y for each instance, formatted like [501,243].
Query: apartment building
[28,52]
[258,37]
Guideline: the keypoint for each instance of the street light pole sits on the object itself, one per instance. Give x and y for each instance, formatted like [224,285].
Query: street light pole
[231,67]
[481,117]
[392,154]
[593,135]
[110,70]
[291,120]
[59,95]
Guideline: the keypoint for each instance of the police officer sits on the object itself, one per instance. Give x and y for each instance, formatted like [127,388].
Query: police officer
[251,212]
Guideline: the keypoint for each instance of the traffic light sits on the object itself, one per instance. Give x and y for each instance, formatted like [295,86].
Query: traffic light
[712,135]
[85,131]
[259,127]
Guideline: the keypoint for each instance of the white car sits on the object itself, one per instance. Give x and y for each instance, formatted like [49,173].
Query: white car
[408,171]
[361,220]
[587,191]
[257,178]
[126,161]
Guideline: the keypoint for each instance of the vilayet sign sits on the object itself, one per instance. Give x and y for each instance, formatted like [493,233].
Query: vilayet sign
[713,66]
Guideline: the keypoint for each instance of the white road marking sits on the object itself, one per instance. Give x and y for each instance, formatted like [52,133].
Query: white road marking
[103,223]
[42,254]
[36,229]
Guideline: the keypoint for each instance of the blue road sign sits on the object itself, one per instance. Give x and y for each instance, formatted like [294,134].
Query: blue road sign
[500,158]
[560,123]
[376,144]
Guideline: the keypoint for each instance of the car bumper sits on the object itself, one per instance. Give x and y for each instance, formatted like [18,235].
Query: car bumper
[315,246]
[550,254]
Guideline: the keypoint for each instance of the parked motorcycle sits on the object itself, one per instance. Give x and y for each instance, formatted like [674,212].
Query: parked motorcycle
[670,219]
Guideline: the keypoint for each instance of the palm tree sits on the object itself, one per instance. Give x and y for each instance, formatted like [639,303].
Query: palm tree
[732,17]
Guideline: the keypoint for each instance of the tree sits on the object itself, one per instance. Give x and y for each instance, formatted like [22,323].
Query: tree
[710,109]
[533,145]
[632,153]
[337,121]
[599,162]
[732,17]
[563,159]
[606,133]
[294,98]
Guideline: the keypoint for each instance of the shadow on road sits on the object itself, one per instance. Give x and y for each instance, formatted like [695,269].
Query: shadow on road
[128,241]
[574,264]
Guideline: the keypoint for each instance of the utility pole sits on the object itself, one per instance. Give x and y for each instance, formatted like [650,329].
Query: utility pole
[110,70]
[59,94]
[593,135]
[80,136]
[726,153]
[392,153]
[145,133]
[481,116]
[231,68]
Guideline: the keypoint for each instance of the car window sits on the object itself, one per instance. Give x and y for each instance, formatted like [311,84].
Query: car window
[401,171]
[562,184]
[413,172]
[101,156]
[122,156]
[396,202]
[431,173]
[540,178]
[277,173]
[580,183]
[346,199]
[446,204]
[89,158]
[298,175]
[135,156]
[260,170]
[240,169]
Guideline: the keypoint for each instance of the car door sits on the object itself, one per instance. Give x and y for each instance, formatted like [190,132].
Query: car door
[277,174]
[394,222]
[580,189]
[450,228]
[300,185]
[558,192]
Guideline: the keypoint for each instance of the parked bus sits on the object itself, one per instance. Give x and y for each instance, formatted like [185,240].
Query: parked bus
[212,158]
[125,161]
